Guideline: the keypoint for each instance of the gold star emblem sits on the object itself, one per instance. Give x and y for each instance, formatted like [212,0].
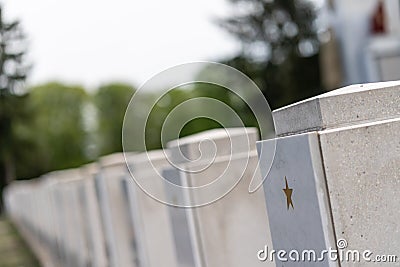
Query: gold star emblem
[288,192]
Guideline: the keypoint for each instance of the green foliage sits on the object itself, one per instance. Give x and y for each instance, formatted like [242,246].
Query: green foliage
[159,114]
[20,141]
[111,101]
[13,72]
[230,99]
[167,103]
[295,79]
[58,126]
[280,47]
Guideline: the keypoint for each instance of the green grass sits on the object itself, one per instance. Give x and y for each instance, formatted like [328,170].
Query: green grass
[13,250]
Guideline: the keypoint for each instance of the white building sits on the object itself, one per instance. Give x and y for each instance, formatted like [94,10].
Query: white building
[367,34]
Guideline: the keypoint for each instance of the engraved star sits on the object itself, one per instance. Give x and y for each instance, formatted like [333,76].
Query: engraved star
[288,193]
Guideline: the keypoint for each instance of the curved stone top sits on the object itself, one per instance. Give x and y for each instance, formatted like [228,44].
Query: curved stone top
[62,176]
[114,159]
[213,143]
[346,106]
[89,170]
[150,159]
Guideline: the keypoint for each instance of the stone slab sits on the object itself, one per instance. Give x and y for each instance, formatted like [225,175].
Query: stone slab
[187,253]
[362,167]
[92,217]
[211,144]
[118,228]
[155,243]
[342,107]
[231,230]
[301,221]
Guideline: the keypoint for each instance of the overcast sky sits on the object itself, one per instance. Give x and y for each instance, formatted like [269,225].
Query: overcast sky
[91,42]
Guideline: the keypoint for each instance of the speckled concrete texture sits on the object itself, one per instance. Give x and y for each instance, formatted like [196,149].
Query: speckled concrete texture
[362,169]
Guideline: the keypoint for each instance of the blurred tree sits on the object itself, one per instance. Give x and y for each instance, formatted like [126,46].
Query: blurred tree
[168,102]
[229,98]
[159,113]
[13,71]
[24,146]
[111,101]
[58,129]
[279,47]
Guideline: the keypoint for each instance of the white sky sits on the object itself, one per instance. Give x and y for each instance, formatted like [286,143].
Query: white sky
[91,42]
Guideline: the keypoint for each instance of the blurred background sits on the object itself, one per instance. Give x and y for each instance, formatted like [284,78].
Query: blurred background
[69,68]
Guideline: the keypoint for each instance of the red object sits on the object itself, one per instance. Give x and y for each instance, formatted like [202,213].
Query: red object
[378,20]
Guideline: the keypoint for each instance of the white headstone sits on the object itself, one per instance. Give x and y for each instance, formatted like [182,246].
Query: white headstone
[92,217]
[118,227]
[343,179]
[155,241]
[231,230]
[70,217]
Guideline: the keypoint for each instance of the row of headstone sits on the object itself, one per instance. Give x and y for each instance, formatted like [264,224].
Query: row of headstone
[334,178]
[98,215]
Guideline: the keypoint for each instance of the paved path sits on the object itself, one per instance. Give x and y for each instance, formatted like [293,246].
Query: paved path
[13,250]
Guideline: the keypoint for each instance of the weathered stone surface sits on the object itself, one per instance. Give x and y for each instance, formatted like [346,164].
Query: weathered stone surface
[156,246]
[91,216]
[114,209]
[69,215]
[362,167]
[231,230]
